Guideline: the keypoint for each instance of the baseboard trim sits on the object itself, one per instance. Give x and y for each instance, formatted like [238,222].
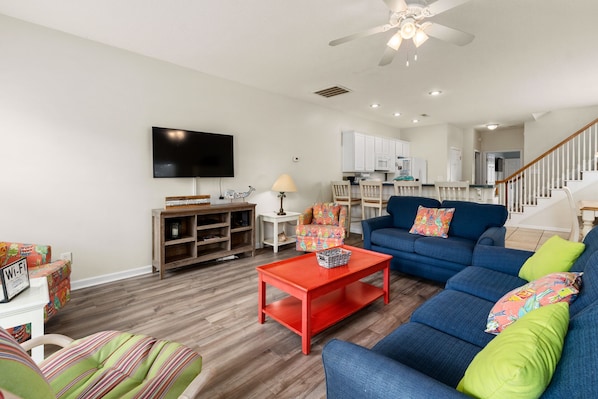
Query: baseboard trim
[108,278]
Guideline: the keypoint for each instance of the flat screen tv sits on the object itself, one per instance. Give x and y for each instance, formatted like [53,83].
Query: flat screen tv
[185,153]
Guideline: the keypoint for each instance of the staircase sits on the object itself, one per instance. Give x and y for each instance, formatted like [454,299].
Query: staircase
[533,194]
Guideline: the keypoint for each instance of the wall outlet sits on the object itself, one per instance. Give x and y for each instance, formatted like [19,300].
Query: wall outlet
[66,256]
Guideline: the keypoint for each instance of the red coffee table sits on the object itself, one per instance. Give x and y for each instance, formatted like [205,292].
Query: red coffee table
[320,297]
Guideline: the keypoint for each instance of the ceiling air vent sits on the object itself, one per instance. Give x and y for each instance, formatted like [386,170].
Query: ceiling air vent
[332,91]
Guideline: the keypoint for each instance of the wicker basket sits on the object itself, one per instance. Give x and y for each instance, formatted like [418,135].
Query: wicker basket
[333,257]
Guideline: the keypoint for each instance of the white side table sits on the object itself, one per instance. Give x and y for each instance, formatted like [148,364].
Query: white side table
[28,307]
[279,223]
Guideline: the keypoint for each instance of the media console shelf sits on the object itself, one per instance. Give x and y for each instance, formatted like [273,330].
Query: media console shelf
[191,235]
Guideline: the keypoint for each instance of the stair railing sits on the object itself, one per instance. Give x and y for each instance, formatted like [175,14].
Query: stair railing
[565,161]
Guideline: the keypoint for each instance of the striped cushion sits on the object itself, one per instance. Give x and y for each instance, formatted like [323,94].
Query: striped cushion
[113,364]
[19,374]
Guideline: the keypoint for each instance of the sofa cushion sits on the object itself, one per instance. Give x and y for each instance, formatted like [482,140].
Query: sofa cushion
[575,375]
[589,288]
[555,255]
[484,283]
[427,350]
[452,249]
[432,222]
[472,219]
[393,238]
[122,365]
[404,208]
[444,312]
[553,288]
[520,362]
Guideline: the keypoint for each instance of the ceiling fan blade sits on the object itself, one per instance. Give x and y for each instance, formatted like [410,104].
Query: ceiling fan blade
[396,5]
[388,56]
[444,5]
[371,31]
[449,34]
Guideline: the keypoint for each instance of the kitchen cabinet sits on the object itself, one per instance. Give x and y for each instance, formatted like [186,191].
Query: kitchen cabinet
[401,148]
[358,152]
[383,145]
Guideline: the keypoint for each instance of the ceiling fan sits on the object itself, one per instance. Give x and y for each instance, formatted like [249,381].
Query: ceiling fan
[409,21]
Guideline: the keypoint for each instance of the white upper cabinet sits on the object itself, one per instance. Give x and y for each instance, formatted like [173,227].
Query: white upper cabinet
[401,148]
[358,152]
[383,146]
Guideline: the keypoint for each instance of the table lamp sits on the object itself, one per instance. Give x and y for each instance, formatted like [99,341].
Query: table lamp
[284,184]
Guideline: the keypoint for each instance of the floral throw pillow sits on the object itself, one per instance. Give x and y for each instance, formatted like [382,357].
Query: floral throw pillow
[432,222]
[552,288]
[326,214]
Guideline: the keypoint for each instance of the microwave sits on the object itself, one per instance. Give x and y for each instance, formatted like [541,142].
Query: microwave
[384,163]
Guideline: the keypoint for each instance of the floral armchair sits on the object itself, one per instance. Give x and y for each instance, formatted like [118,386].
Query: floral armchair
[321,226]
[39,264]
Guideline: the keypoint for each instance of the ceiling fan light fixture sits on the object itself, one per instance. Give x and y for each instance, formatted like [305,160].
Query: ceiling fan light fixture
[408,28]
[419,38]
[395,41]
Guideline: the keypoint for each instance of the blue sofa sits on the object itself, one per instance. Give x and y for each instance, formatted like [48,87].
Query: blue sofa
[434,258]
[427,357]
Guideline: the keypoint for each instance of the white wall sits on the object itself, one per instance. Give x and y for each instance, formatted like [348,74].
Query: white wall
[470,144]
[76,146]
[433,143]
[503,140]
[553,127]
[435,154]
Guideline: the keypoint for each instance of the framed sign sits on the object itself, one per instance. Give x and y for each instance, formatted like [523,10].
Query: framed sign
[14,279]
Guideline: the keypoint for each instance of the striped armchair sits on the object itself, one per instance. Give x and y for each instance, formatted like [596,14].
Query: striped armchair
[108,364]
[39,264]
[321,226]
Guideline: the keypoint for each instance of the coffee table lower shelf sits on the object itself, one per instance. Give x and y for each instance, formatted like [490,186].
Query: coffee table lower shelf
[325,310]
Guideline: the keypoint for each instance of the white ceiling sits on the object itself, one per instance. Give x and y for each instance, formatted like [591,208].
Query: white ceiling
[528,56]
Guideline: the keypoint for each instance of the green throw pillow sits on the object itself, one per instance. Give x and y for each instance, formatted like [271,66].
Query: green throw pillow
[521,360]
[555,255]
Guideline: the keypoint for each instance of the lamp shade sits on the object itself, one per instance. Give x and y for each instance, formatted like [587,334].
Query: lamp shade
[284,184]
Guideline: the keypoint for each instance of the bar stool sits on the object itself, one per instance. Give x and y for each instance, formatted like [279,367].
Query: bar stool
[371,197]
[341,194]
[452,190]
[408,188]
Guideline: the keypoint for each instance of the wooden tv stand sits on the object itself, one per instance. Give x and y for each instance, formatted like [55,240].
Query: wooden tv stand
[205,232]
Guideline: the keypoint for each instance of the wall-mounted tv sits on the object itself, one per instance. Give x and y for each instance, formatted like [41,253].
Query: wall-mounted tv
[186,153]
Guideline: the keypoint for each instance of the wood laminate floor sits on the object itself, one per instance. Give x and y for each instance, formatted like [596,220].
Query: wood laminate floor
[212,308]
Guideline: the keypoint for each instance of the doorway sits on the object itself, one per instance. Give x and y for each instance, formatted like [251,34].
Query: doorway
[455,164]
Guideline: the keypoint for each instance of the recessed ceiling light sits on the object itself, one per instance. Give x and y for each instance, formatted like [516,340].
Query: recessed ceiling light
[397,114]
[492,126]
[415,121]
[435,93]
[375,105]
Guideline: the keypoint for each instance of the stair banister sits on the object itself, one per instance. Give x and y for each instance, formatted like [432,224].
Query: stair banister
[565,161]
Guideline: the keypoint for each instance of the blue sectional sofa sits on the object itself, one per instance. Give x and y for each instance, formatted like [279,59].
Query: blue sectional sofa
[434,258]
[428,356]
